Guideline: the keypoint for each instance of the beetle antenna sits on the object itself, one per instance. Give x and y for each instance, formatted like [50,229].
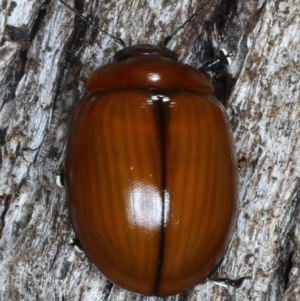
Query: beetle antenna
[171,36]
[119,41]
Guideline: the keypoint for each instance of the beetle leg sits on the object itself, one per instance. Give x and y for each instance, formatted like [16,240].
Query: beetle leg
[216,70]
[225,282]
[110,291]
[74,242]
[222,58]
[60,176]
[242,165]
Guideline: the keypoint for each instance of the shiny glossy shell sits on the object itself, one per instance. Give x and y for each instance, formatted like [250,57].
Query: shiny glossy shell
[151,173]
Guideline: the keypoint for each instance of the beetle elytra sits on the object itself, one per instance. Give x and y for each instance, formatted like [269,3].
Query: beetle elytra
[151,173]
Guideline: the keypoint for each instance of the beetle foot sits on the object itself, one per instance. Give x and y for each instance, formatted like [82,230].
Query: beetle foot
[225,282]
[222,58]
[74,242]
[60,177]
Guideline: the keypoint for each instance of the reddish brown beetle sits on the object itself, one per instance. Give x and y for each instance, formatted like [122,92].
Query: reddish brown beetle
[151,173]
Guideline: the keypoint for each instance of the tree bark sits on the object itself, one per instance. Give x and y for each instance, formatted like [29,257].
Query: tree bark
[47,53]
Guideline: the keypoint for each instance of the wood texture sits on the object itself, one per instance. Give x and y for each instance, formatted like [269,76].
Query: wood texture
[45,56]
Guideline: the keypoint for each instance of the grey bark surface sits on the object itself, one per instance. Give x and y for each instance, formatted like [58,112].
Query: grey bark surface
[46,53]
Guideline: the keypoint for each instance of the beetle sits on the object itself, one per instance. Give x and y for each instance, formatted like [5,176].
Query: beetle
[151,172]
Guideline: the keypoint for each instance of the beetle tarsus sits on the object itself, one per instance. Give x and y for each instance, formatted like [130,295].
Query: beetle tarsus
[225,282]
[222,58]
[60,177]
[74,242]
